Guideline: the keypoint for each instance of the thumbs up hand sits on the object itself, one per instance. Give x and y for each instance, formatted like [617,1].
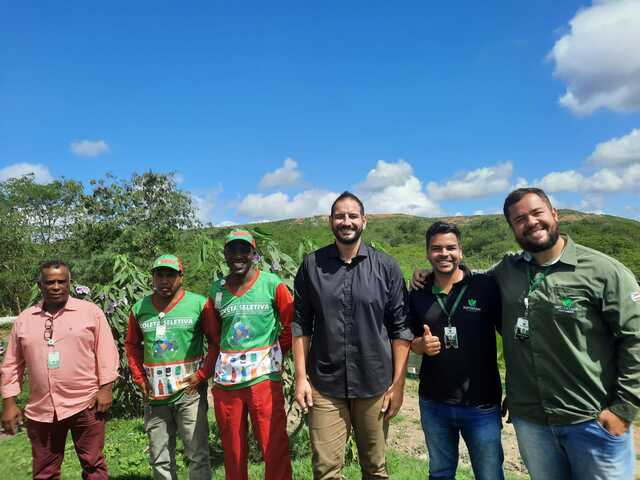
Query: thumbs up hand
[430,343]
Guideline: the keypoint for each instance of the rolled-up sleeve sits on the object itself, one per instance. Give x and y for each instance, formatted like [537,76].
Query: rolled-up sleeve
[396,310]
[107,357]
[302,323]
[12,370]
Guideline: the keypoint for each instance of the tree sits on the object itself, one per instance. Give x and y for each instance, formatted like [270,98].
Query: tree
[36,223]
[50,211]
[17,253]
[139,217]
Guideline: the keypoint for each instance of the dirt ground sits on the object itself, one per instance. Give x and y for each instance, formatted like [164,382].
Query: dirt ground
[405,435]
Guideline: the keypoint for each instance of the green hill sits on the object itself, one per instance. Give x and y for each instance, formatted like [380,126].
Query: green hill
[485,237]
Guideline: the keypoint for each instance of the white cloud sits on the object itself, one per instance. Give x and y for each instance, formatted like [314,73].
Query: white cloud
[521,182]
[474,184]
[567,181]
[204,207]
[388,188]
[40,172]
[392,188]
[618,151]
[605,180]
[556,202]
[387,174]
[406,198]
[631,176]
[285,176]
[278,205]
[89,148]
[599,58]
[205,203]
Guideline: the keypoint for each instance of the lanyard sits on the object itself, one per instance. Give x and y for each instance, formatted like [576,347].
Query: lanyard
[536,279]
[448,313]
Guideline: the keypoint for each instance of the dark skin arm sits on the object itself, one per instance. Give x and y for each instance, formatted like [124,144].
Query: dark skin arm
[11,415]
[104,397]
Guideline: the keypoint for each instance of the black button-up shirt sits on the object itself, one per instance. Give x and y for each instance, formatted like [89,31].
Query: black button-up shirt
[352,312]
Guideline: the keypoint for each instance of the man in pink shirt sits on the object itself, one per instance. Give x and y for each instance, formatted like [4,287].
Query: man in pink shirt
[67,347]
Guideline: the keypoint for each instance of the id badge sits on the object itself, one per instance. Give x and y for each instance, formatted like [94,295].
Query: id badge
[218,300]
[522,328]
[450,337]
[53,359]
[161,331]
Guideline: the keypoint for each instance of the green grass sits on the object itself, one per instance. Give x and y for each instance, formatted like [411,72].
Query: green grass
[126,453]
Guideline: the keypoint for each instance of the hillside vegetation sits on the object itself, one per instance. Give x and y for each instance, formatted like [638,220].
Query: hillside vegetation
[486,238]
[114,222]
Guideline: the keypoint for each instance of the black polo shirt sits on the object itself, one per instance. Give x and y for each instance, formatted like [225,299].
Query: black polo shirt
[352,312]
[467,375]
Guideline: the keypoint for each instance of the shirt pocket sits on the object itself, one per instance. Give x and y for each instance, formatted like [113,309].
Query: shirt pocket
[570,307]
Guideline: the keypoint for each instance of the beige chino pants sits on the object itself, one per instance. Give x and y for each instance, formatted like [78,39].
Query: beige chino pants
[330,421]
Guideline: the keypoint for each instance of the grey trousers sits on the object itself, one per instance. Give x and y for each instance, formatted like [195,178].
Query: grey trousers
[187,417]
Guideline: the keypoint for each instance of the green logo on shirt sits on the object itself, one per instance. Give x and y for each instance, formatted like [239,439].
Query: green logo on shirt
[566,305]
[471,305]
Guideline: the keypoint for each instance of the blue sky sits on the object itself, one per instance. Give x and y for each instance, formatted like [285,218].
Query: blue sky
[267,110]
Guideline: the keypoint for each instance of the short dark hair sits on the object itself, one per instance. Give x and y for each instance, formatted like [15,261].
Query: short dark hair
[53,264]
[439,227]
[343,196]
[515,196]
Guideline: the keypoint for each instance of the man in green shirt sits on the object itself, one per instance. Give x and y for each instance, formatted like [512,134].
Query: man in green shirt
[165,349]
[571,335]
[251,337]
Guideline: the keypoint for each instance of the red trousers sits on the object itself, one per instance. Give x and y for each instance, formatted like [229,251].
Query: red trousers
[48,439]
[264,403]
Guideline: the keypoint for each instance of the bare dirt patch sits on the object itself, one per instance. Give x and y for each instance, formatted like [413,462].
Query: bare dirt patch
[405,435]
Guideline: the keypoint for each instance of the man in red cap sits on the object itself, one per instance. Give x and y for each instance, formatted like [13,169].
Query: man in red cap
[166,356]
[253,311]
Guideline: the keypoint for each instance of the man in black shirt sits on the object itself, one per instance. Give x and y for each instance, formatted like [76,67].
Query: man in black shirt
[454,317]
[350,344]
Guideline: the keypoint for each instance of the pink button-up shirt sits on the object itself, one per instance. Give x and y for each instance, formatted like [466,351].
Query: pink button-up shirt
[88,358]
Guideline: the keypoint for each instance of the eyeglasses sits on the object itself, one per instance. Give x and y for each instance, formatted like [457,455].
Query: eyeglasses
[48,329]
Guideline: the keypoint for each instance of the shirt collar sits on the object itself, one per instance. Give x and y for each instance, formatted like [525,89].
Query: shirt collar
[362,250]
[72,304]
[568,255]
[465,279]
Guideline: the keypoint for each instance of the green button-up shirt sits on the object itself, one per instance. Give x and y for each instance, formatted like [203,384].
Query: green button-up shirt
[583,350]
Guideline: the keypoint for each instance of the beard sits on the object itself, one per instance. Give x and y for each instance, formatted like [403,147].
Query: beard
[553,233]
[350,240]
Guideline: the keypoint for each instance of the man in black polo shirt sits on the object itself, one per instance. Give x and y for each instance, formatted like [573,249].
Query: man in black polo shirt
[454,317]
[350,344]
